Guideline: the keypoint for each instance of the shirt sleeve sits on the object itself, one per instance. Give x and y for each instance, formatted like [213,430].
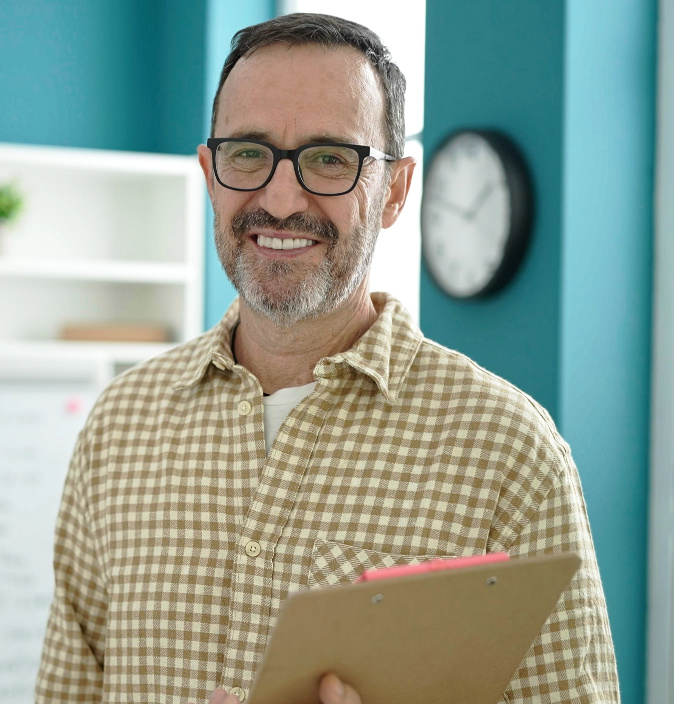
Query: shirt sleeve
[71,669]
[572,660]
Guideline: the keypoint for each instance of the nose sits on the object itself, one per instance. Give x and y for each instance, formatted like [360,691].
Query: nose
[283,195]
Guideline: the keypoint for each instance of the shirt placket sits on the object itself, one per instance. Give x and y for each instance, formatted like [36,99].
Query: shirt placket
[273,500]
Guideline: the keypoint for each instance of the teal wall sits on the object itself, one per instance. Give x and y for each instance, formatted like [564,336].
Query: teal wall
[574,83]
[71,72]
[490,64]
[179,57]
[606,296]
[102,74]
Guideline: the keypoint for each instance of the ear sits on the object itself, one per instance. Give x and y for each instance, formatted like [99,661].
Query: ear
[206,163]
[401,179]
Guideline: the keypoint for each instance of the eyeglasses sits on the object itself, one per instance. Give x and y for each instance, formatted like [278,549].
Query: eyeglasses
[321,169]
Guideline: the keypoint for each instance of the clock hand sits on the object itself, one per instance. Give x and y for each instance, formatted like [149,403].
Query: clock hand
[480,199]
[465,214]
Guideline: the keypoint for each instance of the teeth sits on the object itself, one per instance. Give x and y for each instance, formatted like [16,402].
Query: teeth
[277,243]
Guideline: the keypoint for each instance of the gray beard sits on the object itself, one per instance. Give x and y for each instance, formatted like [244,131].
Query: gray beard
[306,295]
[311,297]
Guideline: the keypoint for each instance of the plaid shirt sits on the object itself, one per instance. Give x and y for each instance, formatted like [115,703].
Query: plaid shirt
[178,537]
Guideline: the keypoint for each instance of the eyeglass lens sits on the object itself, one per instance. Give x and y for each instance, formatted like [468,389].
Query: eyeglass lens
[325,169]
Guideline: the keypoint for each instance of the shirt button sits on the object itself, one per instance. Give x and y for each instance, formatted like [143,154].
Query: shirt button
[238,692]
[253,548]
[245,408]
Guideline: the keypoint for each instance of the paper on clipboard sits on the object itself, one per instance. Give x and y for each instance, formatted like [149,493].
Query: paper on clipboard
[451,636]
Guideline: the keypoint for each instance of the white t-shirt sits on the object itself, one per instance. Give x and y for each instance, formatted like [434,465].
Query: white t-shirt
[278,405]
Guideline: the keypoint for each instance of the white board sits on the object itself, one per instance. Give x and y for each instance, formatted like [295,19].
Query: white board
[39,423]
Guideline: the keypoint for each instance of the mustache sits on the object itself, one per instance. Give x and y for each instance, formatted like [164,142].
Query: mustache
[302,223]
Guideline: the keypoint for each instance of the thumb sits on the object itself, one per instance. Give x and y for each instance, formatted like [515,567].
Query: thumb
[333,691]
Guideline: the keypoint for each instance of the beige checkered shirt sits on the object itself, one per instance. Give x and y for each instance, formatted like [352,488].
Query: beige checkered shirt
[178,537]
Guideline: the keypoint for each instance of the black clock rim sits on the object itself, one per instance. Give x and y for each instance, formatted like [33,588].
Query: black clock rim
[521,196]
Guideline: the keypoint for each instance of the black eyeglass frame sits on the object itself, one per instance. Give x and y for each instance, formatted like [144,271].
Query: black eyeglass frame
[294,155]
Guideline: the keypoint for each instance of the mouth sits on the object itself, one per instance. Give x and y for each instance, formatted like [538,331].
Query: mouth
[285,243]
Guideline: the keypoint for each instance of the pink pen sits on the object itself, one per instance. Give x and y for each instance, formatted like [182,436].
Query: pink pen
[432,566]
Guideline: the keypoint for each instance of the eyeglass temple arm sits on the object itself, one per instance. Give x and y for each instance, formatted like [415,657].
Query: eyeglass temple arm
[381,155]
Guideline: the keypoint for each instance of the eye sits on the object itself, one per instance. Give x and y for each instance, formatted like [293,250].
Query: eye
[249,154]
[330,159]
[325,158]
[244,156]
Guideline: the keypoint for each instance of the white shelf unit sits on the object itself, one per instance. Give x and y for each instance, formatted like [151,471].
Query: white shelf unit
[103,237]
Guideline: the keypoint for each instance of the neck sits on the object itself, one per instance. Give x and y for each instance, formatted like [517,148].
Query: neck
[284,357]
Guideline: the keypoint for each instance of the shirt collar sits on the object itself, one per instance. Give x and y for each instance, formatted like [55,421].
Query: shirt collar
[213,347]
[384,353]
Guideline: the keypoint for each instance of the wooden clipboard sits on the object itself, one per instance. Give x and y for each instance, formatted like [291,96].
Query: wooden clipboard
[449,637]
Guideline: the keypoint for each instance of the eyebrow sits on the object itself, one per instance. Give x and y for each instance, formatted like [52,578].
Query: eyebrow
[323,138]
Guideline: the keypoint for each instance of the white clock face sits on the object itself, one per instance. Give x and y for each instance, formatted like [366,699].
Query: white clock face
[465,219]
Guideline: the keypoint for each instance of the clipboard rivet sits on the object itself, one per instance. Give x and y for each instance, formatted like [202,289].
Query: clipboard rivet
[491,581]
[377,598]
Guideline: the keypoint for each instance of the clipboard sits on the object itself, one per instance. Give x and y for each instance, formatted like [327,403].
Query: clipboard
[455,635]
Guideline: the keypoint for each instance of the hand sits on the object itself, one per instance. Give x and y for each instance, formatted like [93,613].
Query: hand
[330,691]
[480,199]
[452,207]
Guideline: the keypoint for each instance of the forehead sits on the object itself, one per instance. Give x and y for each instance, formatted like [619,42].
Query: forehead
[296,94]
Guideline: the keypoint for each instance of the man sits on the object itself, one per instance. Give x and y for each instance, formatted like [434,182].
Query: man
[314,432]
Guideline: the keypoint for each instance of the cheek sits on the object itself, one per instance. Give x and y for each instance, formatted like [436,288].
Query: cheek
[228,203]
[342,211]
[345,217]
[355,212]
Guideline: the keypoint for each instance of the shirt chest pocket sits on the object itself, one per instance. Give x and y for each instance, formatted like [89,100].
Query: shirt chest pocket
[337,563]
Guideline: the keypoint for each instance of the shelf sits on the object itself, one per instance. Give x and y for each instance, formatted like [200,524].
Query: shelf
[94,362]
[116,238]
[55,359]
[124,351]
[97,160]
[109,271]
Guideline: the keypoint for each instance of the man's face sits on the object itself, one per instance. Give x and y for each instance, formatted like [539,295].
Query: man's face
[289,97]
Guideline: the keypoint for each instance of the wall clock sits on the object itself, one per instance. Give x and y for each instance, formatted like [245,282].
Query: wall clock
[476,213]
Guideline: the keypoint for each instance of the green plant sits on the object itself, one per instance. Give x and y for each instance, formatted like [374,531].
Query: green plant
[10,203]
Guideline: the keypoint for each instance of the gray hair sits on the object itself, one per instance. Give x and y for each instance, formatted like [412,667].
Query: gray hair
[327,31]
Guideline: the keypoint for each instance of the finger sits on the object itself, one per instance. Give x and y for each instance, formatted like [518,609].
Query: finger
[220,696]
[333,691]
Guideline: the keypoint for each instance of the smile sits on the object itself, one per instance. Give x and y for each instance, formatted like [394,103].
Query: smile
[287,243]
